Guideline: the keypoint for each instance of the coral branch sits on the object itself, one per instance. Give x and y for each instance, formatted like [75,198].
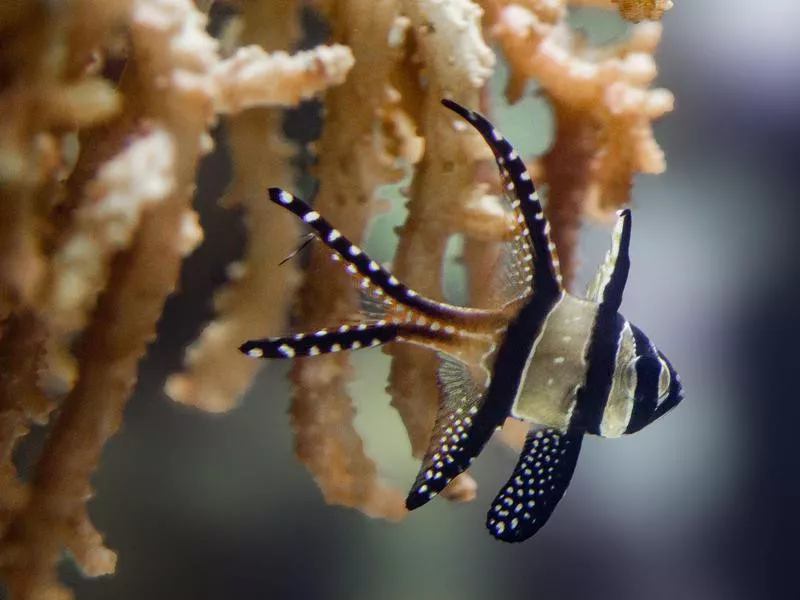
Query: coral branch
[107,109]
[21,345]
[105,223]
[168,74]
[603,108]
[216,377]
[121,328]
[640,10]
[357,116]
[252,77]
[455,62]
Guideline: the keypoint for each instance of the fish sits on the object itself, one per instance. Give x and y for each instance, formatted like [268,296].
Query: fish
[569,366]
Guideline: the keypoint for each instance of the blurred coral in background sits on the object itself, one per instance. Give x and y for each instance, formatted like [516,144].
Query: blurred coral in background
[108,112]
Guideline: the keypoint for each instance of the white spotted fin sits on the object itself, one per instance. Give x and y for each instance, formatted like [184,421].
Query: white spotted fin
[449,452]
[536,486]
[345,337]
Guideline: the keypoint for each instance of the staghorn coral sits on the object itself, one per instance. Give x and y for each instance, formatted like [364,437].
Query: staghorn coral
[362,113]
[108,110]
[634,10]
[216,377]
[452,56]
[640,10]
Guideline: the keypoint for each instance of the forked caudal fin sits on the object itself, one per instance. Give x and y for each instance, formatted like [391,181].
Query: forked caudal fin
[414,317]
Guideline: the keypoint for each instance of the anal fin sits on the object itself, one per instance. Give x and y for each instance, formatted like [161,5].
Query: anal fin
[450,451]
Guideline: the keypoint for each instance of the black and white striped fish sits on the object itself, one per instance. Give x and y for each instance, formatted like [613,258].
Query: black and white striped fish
[570,366]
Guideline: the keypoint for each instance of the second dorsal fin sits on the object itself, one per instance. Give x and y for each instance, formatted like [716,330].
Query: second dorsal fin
[609,282]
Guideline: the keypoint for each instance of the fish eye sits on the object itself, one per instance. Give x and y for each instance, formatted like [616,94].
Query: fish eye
[664,380]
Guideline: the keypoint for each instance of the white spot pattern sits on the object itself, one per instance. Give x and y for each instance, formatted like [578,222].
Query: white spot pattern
[286,350]
[447,455]
[537,484]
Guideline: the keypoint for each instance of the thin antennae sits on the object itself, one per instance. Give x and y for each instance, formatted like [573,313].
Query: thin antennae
[307,238]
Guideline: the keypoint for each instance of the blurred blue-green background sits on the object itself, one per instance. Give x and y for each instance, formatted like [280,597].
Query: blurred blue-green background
[705,504]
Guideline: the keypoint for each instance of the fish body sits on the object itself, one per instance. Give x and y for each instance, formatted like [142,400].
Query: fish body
[570,366]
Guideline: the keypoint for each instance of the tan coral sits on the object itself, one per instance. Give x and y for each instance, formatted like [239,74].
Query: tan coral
[109,107]
[168,51]
[215,376]
[125,187]
[603,111]
[632,10]
[21,402]
[640,10]
[455,61]
[322,412]
[253,77]
[38,103]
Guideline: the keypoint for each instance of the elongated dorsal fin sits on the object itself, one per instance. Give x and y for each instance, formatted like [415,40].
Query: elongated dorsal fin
[609,283]
[547,275]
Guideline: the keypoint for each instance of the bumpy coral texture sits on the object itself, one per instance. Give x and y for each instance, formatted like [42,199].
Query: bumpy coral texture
[108,108]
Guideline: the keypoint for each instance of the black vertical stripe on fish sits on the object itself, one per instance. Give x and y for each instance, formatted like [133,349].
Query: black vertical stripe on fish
[509,370]
[601,359]
[536,486]
[497,400]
